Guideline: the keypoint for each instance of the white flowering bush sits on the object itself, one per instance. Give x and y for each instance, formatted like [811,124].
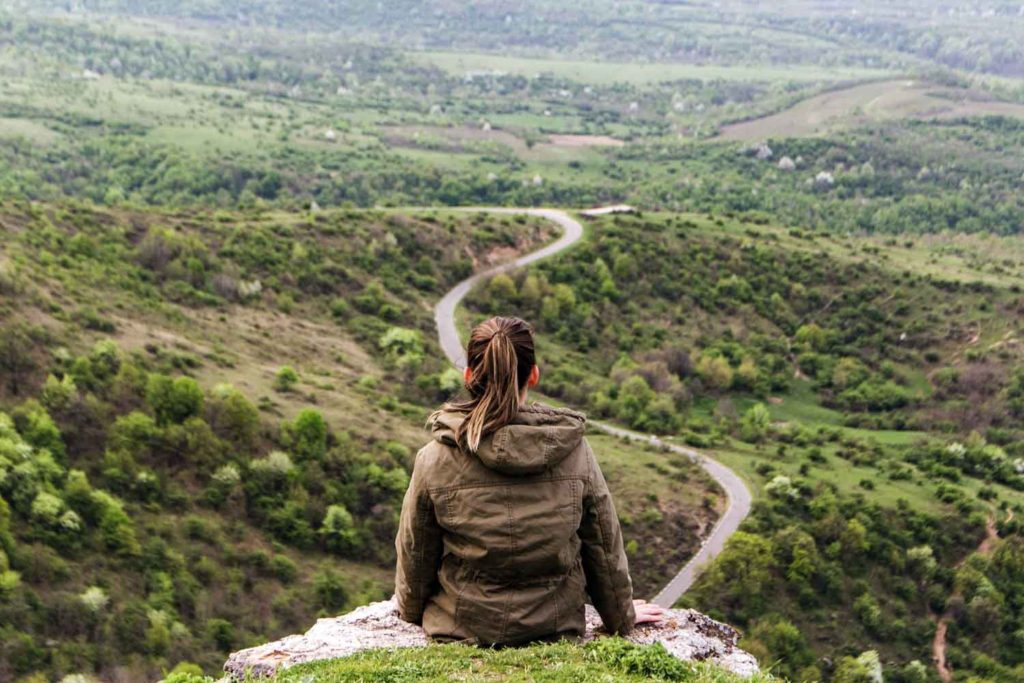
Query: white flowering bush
[94,598]
[277,462]
[227,476]
[781,487]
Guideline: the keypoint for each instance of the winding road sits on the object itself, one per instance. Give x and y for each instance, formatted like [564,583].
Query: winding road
[738,495]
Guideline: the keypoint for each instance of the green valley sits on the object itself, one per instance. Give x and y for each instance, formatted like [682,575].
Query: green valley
[224,227]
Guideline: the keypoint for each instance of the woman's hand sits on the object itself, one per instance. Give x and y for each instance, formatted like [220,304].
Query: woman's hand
[648,613]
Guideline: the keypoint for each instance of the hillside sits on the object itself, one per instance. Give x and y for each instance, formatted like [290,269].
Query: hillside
[204,443]
[218,350]
[866,389]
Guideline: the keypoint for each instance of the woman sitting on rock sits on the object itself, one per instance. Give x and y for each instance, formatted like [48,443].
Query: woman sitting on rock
[508,524]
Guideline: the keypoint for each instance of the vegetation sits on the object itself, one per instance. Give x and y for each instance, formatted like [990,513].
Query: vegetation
[216,348]
[876,429]
[605,659]
[202,440]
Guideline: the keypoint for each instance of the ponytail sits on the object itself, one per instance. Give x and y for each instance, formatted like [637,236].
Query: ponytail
[501,357]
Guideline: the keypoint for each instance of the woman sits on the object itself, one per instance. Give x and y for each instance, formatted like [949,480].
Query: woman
[508,524]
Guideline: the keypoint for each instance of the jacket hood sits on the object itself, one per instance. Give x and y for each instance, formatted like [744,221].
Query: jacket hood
[537,439]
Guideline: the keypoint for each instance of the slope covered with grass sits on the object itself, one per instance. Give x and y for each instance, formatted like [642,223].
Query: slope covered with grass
[207,421]
[868,390]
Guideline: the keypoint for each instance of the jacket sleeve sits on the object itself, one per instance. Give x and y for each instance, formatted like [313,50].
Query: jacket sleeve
[418,546]
[604,559]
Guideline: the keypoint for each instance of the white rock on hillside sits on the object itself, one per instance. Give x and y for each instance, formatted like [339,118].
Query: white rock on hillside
[686,634]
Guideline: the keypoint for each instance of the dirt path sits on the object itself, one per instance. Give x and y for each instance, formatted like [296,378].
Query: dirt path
[738,495]
[942,623]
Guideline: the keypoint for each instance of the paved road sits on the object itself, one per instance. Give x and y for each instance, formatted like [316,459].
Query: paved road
[736,490]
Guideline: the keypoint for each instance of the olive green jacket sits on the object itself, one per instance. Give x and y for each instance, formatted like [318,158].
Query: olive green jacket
[503,547]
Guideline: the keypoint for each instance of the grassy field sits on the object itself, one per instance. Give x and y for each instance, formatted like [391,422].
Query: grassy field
[870,103]
[605,73]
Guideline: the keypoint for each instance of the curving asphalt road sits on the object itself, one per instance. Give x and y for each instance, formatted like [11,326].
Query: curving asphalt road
[737,492]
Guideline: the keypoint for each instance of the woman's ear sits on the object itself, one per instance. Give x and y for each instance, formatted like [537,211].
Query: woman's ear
[534,377]
[467,374]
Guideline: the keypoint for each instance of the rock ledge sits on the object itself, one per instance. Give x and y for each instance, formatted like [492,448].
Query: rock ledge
[687,634]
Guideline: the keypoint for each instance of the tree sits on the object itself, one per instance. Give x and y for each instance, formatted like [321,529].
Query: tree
[105,360]
[329,586]
[306,435]
[854,539]
[403,347]
[811,337]
[58,394]
[338,530]
[741,576]
[755,423]
[781,642]
[173,401]
[116,528]
[715,372]
[634,397]
[849,372]
[501,290]
[233,417]
[38,429]
[921,562]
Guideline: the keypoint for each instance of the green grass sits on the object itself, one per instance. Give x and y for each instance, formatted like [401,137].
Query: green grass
[605,73]
[868,103]
[605,660]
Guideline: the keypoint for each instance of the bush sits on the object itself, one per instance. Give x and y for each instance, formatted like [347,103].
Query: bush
[58,394]
[338,530]
[233,417]
[38,429]
[284,569]
[221,633]
[306,435]
[135,433]
[173,401]
[286,379]
[329,587]
[647,661]
[116,528]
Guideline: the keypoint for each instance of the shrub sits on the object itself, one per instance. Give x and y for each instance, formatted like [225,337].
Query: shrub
[286,379]
[338,530]
[329,587]
[755,423]
[135,433]
[58,394]
[283,568]
[289,524]
[38,429]
[306,435]
[116,528]
[652,662]
[94,598]
[221,633]
[403,347]
[715,372]
[233,417]
[173,401]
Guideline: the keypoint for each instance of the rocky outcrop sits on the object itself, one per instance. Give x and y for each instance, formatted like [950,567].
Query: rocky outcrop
[687,634]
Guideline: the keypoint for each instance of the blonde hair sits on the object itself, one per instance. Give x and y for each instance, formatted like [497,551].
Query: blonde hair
[500,355]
